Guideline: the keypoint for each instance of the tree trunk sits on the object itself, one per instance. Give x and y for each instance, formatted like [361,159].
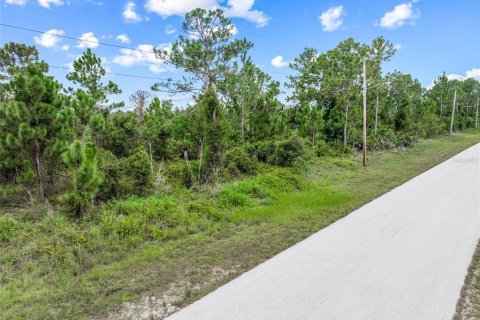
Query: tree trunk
[441,105]
[39,169]
[346,117]
[151,155]
[243,121]
[376,115]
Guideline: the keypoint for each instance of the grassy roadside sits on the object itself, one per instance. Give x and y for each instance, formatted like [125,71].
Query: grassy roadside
[468,306]
[258,218]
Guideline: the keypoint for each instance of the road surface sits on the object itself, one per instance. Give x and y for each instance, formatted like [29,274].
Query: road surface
[402,256]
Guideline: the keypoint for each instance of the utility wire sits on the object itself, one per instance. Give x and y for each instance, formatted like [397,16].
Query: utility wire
[74,38]
[96,42]
[118,74]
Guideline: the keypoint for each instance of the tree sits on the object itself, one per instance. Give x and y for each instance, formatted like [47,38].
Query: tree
[251,101]
[85,118]
[206,53]
[34,130]
[86,178]
[155,128]
[88,72]
[14,58]
[140,100]
[212,143]
[381,50]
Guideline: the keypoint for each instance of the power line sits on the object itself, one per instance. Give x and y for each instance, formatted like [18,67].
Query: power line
[74,38]
[96,42]
[118,74]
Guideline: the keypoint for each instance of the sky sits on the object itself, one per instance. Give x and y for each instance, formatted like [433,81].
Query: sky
[431,36]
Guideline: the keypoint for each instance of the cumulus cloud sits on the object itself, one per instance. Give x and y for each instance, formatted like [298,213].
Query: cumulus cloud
[43,3]
[278,62]
[47,3]
[472,73]
[129,13]
[170,29]
[50,38]
[16,2]
[400,15]
[234,8]
[142,56]
[87,40]
[123,38]
[398,46]
[332,18]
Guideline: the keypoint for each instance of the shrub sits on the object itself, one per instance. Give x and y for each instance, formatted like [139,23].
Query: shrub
[288,152]
[136,174]
[111,169]
[8,228]
[237,161]
[263,150]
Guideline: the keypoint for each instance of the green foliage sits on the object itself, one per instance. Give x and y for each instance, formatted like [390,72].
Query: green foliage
[288,152]
[237,161]
[34,130]
[136,174]
[213,142]
[207,55]
[8,228]
[88,72]
[86,177]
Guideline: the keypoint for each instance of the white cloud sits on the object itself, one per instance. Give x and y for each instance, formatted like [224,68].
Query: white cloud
[332,18]
[87,40]
[129,13]
[234,8]
[234,31]
[65,47]
[278,62]
[43,3]
[401,14]
[243,9]
[398,46]
[472,73]
[143,56]
[123,38]
[47,3]
[16,2]
[170,29]
[49,39]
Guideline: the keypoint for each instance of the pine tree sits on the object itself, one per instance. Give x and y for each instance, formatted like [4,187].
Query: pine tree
[86,177]
[34,130]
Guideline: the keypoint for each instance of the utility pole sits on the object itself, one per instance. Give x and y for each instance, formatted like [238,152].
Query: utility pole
[364,112]
[453,111]
[476,115]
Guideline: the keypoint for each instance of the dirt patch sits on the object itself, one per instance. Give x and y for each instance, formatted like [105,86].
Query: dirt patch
[161,305]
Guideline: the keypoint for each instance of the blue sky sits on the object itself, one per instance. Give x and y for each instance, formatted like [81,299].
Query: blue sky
[432,36]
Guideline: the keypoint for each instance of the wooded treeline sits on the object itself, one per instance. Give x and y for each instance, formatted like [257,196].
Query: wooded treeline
[70,147]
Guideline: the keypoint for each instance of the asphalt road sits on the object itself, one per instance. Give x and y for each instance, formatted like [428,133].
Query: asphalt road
[402,256]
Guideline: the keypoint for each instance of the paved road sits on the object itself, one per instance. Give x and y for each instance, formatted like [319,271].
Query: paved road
[402,256]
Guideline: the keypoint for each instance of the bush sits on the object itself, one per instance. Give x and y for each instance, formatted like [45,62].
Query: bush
[136,174]
[237,161]
[288,152]
[111,169]
[8,228]
[263,150]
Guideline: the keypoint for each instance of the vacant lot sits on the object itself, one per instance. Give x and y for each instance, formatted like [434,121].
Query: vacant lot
[146,257]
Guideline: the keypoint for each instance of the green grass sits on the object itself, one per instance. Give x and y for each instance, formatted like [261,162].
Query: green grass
[52,267]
